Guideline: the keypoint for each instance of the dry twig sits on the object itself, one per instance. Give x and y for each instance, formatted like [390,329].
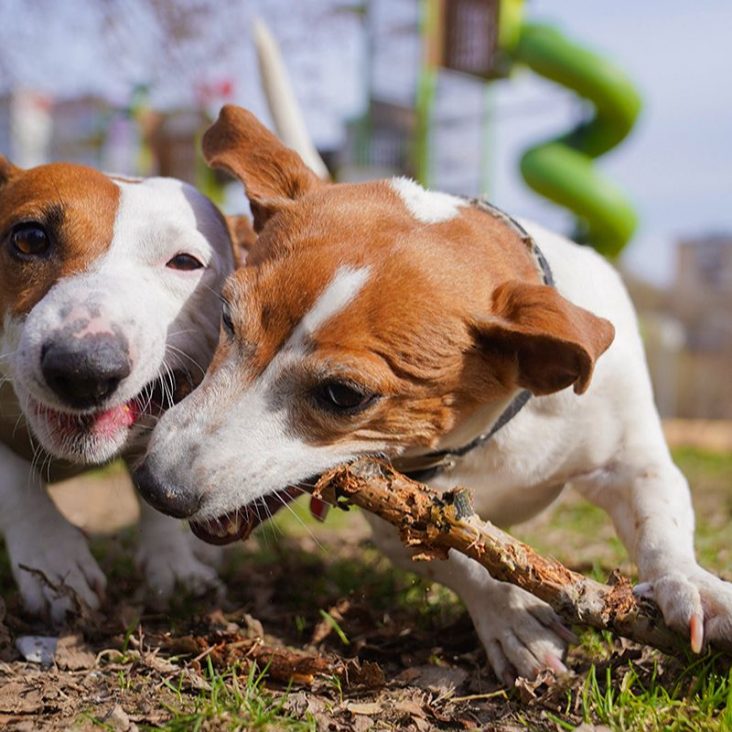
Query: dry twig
[432,523]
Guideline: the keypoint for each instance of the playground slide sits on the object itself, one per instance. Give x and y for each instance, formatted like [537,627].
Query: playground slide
[562,169]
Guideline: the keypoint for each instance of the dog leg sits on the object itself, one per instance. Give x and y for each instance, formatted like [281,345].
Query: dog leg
[38,537]
[521,634]
[167,559]
[651,508]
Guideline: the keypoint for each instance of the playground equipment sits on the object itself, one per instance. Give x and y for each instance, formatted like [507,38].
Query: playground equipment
[488,38]
[562,169]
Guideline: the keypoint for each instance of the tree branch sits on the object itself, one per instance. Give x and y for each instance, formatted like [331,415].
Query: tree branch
[432,524]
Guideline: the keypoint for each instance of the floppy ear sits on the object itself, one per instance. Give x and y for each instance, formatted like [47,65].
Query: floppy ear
[242,236]
[7,170]
[554,343]
[272,174]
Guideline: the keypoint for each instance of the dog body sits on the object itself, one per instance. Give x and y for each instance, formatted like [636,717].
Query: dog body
[380,318]
[109,306]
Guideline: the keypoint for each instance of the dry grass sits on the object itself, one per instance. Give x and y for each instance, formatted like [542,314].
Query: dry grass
[369,647]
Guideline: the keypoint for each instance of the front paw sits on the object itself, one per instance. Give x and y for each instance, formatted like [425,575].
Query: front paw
[54,568]
[695,603]
[172,566]
[522,635]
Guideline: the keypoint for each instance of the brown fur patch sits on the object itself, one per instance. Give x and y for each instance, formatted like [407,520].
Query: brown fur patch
[408,334]
[271,173]
[76,205]
[453,314]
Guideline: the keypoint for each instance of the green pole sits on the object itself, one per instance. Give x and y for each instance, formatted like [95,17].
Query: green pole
[426,84]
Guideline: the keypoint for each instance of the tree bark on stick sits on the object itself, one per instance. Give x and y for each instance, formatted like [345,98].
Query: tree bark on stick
[432,524]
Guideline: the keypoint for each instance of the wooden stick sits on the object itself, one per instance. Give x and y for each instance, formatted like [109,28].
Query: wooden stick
[432,524]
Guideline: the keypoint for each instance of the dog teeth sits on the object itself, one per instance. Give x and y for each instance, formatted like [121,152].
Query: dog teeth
[228,526]
[233,526]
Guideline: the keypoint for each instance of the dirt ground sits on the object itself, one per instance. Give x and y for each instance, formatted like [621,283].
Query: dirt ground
[318,632]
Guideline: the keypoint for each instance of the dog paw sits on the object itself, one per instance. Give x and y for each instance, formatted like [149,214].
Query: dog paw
[209,554]
[695,603]
[54,569]
[522,635]
[174,567]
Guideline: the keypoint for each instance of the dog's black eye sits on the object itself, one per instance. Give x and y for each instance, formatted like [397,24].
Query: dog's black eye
[184,262]
[337,396]
[226,319]
[29,240]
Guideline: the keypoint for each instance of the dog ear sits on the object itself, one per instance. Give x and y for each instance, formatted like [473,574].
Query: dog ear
[242,236]
[272,174]
[553,343]
[7,170]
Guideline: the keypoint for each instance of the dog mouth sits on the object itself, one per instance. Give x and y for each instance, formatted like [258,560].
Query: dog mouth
[152,400]
[238,525]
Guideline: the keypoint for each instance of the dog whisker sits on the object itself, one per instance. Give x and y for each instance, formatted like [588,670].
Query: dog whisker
[178,352]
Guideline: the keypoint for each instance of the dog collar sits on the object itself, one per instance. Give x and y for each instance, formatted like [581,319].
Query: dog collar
[425,467]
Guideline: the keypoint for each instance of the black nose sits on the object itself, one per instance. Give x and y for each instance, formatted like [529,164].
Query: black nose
[83,372]
[170,499]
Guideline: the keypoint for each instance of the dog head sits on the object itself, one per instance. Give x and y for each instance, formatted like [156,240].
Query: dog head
[370,318]
[108,300]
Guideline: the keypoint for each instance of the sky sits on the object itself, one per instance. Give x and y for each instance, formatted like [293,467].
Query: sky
[676,165]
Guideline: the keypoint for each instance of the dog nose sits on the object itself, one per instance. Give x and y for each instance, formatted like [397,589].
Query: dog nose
[165,497]
[83,372]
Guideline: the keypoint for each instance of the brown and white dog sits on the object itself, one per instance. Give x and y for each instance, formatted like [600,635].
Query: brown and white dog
[382,318]
[110,308]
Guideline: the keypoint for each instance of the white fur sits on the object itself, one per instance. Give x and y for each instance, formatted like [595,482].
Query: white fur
[608,443]
[167,557]
[160,311]
[256,422]
[343,288]
[428,207]
[170,319]
[38,537]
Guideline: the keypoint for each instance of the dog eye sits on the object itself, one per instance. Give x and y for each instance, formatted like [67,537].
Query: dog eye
[29,240]
[226,319]
[184,262]
[336,396]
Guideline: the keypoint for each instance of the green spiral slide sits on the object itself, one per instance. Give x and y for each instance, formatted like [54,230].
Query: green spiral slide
[562,169]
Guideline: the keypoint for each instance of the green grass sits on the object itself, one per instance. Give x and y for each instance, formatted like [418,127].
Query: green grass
[698,699]
[234,702]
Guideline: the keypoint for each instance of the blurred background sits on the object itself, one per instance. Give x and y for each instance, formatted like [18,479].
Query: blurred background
[609,122]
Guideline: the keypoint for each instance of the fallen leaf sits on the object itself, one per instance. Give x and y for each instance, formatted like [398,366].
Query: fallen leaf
[20,698]
[439,679]
[409,706]
[118,720]
[72,653]
[369,708]
[366,674]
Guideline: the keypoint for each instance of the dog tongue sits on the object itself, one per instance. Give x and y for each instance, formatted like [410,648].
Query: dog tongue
[111,421]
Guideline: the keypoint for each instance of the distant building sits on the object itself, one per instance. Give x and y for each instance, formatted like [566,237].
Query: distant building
[703,292]
[79,129]
[701,299]
[379,145]
[687,330]
[25,127]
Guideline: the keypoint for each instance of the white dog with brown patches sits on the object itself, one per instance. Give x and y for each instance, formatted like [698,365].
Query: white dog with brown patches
[109,305]
[381,318]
